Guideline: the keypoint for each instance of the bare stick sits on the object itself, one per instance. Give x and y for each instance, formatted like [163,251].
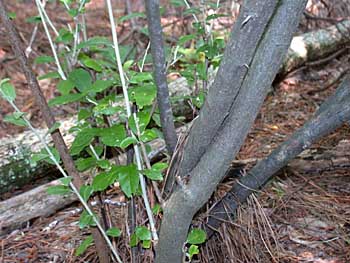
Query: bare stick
[159,64]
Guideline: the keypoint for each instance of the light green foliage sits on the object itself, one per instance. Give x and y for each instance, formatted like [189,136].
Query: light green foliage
[196,236]
[141,234]
[84,245]
[114,232]
[7,91]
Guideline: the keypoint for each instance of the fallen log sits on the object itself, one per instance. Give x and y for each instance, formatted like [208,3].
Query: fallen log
[32,204]
[18,210]
[16,170]
[315,45]
[331,115]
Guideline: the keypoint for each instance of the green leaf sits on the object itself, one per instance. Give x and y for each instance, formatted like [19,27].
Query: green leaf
[159,166]
[65,86]
[13,118]
[156,209]
[65,36]
[193,250]
[114,232]
[113,136]
[186,38]
[101,85]
[196,236]
[84,245]
[215,16]
[127,141]
[143,233]
[11,15]
[82,140]
[95,42]
[177,3]
[131,16]
[84,114]
[128,177]
[50,75]
[7,91]
[93,64]
[44,59]
[85,192]
[66,180]
[191,11]
[202,71]
[133,240]
[86,220]
[64,99]
[44,155]
[58,190]
[103,164]
[143,95]
[153,174]
[198,101]
[103,180]
[146,244]
[139,77]
[33,19]
[81,79]
[85,163]
[148,135]
[143,118]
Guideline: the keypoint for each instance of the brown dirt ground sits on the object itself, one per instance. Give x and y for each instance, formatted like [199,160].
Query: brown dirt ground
[298,217]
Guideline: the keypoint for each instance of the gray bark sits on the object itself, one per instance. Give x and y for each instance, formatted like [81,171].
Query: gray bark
[32,204]
[332,114]
[260,38]
[159,68]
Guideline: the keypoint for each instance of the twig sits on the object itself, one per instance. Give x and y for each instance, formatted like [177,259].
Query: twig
[53,48]
[159,68]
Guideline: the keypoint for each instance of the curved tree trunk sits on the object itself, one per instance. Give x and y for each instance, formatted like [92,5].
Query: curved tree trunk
[253,56]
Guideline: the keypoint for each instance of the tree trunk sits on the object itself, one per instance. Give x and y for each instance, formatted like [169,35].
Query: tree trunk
[260,38]
[332,114]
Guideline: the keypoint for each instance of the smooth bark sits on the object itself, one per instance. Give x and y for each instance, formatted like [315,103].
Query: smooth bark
[159,68]
[331,115]
[260,38]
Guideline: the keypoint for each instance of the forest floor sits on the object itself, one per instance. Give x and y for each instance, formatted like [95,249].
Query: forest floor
[300,216]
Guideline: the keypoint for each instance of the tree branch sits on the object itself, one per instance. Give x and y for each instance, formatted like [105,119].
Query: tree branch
[332,114]
[159,67]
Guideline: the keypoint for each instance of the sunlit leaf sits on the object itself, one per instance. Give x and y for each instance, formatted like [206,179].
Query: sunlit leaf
[81,79]
[84,245]
[114,232]
[196,236]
